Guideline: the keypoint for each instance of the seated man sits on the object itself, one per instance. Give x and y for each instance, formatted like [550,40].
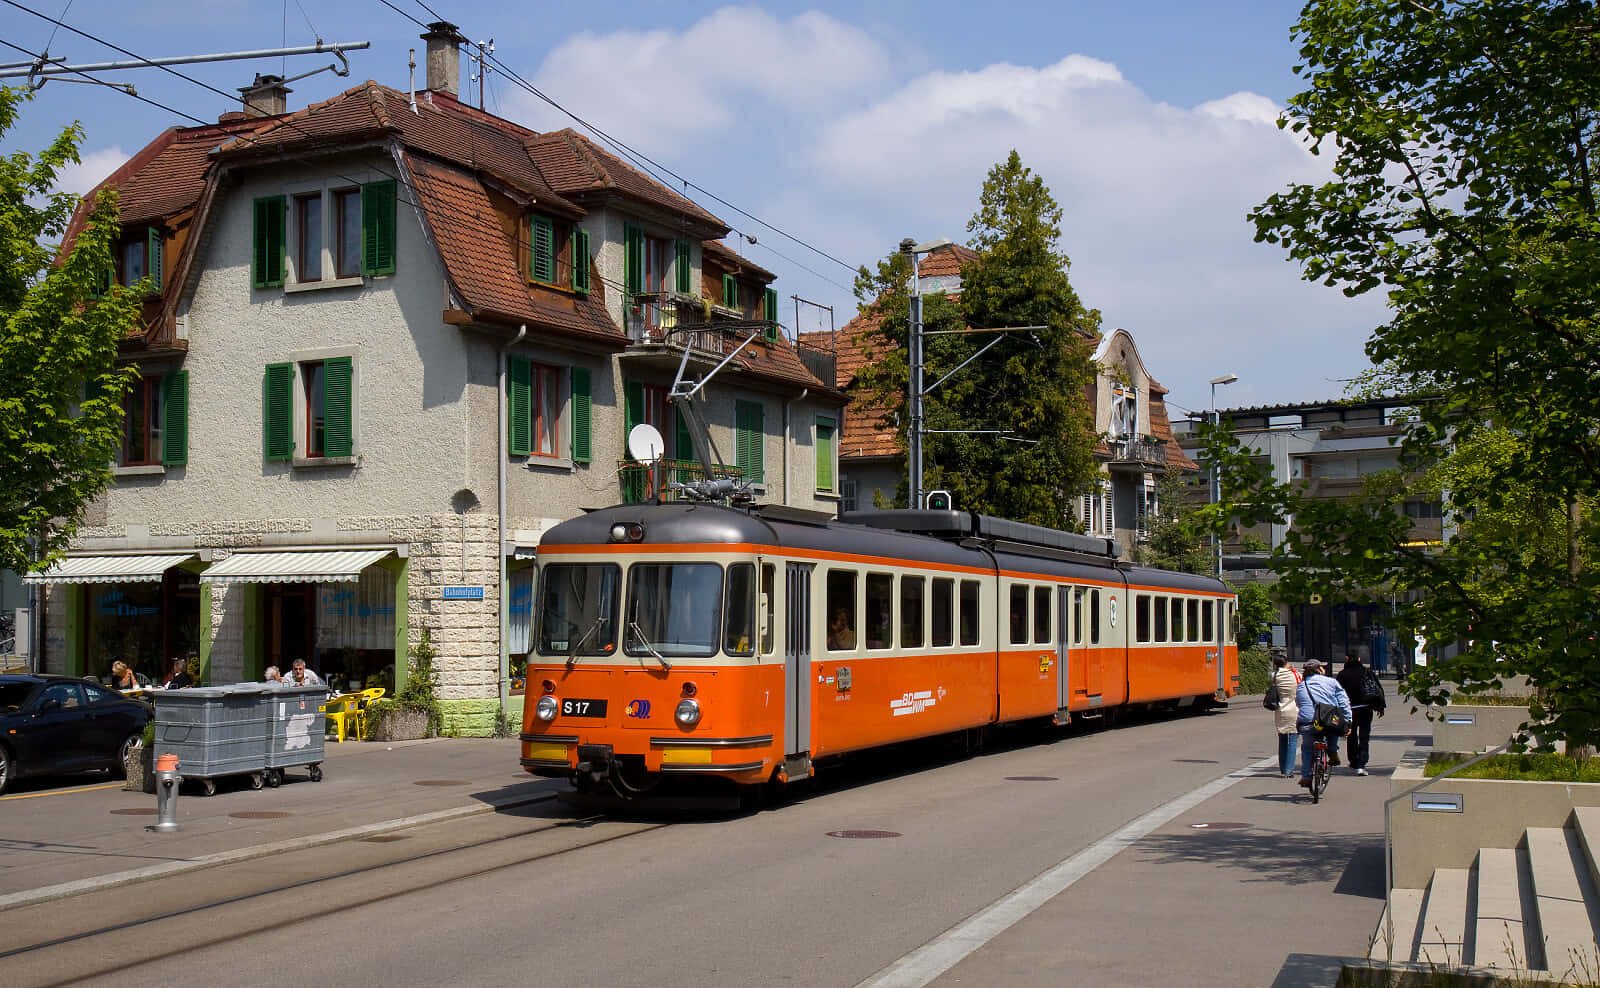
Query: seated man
[301,676]
[1317,688]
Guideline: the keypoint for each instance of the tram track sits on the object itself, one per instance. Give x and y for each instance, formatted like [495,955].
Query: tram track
[124,945]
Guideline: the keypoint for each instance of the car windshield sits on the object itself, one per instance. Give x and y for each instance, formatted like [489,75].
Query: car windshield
[578,609]
[674,609]
[12,695]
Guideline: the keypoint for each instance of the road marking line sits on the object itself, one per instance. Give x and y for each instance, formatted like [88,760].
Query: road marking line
[48,893]
[63,792]
[934,958]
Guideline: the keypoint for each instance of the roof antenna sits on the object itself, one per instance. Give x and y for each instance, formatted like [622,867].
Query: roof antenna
[411,90]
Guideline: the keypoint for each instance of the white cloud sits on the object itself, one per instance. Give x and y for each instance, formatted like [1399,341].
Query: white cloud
[96,165]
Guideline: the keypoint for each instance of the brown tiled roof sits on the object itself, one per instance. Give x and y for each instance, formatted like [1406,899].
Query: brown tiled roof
[171,180]
[575,166]
[945,261]
[485,271]
[1161,428]
[719,253]
[778,361]
[867,430]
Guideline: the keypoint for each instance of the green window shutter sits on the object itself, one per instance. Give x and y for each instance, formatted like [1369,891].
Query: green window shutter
[681,268]
[633,406]
[267,239]
[730,291]
[633,245]
[770,301]
[542,256]
[519,405]
[152,256]
[682,442]
[378,228]
[338,436]
[582,403]
[277,401]
[749,427]
[580,260]
[175,418]
[825,444]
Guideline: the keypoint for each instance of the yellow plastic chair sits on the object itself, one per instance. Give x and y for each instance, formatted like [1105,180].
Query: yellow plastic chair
[344,714]
[368,698]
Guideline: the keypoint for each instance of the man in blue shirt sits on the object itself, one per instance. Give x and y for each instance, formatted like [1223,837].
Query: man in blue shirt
[1318,687]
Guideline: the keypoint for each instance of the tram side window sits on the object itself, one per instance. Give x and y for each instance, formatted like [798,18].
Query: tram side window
[1019,614]
[1160,608]
[880,610]
[944,592]
[1094,617]
[1077,615]
[1210,632]
[969,612]
[1194,620]
[1233,621]
[841,610]
[912,612]
[769,588]
[741,595]
[1041,615]
[1142,618]
[1177,619]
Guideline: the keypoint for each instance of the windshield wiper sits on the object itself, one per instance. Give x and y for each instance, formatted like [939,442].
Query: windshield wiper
[639,638]
[572,652]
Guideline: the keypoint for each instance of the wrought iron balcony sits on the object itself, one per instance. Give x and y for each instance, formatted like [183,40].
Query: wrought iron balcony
[672,320]
[639,483]
[1138,455]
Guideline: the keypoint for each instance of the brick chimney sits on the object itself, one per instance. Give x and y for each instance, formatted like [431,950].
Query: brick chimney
[266,97]
[444,59]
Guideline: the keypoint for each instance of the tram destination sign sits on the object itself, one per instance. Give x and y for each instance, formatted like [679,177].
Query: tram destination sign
[462,593]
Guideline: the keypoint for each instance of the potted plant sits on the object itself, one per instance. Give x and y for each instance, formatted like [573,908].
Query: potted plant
[414,712]
[137,766]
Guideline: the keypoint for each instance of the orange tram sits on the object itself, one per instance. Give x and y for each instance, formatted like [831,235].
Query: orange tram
[750,644]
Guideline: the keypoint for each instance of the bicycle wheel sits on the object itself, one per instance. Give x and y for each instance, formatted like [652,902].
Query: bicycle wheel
[1319,777]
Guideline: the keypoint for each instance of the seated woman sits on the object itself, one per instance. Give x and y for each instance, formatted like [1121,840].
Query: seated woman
[122,677]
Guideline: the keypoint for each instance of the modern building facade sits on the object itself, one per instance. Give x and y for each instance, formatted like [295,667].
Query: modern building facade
[392,339]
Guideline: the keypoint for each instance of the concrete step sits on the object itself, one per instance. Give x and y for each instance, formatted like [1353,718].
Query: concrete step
[1501,937]
[1407,906]
[1442,940]
[1563,893]
[1586,820]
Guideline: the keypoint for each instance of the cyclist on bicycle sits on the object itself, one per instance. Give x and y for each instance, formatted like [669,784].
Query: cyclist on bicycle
[1317,688]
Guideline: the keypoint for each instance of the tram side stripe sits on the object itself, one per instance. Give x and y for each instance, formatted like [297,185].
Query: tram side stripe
[931,960]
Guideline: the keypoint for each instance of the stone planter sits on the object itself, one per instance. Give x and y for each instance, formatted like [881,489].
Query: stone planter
[1470,729]
[388,722]
[140,769]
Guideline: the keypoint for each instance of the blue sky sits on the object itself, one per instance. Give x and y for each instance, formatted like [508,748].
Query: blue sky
[852,126]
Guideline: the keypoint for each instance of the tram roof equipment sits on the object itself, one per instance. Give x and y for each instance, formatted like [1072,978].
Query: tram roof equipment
[1018,538]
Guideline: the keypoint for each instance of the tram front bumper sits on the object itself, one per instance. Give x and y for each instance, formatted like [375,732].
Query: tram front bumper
[594,760]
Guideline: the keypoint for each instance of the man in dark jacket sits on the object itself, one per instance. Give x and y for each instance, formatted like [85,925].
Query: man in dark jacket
[1366,699]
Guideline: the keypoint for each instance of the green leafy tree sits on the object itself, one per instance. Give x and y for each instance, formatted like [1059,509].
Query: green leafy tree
[1255,612]
[1031,385]
[1463,136]
[55,338]
[1177,539]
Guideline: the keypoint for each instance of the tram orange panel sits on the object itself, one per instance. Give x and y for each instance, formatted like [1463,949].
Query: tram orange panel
[899,698]
[1164,672]
[1028,683]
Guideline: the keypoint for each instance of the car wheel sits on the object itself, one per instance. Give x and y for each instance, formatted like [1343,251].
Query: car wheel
[120,769]
[6,768]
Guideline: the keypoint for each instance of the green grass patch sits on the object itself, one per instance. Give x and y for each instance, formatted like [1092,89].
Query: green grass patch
[1528,767]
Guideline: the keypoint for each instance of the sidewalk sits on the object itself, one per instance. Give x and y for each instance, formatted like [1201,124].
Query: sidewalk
[95,835]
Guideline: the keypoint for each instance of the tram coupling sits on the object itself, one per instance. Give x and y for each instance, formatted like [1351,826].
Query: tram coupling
[594,765]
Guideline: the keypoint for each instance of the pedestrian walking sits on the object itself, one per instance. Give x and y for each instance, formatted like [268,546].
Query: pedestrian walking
[1365,690]
[1285,710]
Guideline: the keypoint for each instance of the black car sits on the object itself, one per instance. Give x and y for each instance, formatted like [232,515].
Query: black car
[55,724]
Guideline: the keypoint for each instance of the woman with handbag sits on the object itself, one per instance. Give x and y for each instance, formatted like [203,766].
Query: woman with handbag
[1280,699]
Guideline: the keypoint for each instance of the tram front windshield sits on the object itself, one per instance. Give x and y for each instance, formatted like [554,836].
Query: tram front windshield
[578,609]
[673,609]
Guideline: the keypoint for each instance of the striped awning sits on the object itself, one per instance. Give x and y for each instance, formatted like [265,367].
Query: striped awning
[110,569]
[304,566]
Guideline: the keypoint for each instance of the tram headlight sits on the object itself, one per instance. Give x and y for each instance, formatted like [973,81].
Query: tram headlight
[630,531]
[688,712]
[546,708]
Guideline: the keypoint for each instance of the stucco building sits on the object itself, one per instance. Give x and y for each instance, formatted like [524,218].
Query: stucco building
[392,339]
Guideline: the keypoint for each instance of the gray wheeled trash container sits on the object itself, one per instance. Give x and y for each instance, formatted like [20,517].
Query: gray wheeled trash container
[215,731]
[297,725]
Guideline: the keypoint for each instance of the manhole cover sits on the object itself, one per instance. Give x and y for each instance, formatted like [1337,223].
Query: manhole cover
[439,782]
[1218,826]
[260,815]
[383,839]
[862,834]
[1031,778]
[140,811]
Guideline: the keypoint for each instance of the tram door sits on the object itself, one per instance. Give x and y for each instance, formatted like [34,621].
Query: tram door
[797,661]
[1220,626]
[1064,656]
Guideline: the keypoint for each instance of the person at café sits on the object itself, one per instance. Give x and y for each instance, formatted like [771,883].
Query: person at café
[178,677]
[301,676]
[273,677]
[122,677]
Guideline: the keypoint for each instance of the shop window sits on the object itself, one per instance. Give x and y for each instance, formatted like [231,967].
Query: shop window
[353,638]
[1019,614]
[841,610]
[880,610]
[943,632]
[1041,615]
[971,629]
[912,611]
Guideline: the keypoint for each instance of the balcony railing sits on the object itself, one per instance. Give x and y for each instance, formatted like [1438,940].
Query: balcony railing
[670,319]
[1138,453]
[640,483]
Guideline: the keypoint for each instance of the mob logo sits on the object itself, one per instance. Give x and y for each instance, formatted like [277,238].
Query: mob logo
[639,709]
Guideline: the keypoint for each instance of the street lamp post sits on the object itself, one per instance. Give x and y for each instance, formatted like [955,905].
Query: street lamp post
[1216,477]
[914,357]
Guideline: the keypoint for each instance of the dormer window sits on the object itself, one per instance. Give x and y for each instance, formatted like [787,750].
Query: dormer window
[141,256]
[558,253]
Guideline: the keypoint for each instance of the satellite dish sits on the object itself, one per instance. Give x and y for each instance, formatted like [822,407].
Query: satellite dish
[645,443]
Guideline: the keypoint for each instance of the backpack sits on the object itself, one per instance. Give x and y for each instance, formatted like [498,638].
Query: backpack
[1371,688]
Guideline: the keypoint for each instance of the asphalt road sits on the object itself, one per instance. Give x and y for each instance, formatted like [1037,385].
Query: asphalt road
[1264,894]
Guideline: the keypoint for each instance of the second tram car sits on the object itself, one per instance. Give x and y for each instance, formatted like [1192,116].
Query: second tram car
[748,644]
